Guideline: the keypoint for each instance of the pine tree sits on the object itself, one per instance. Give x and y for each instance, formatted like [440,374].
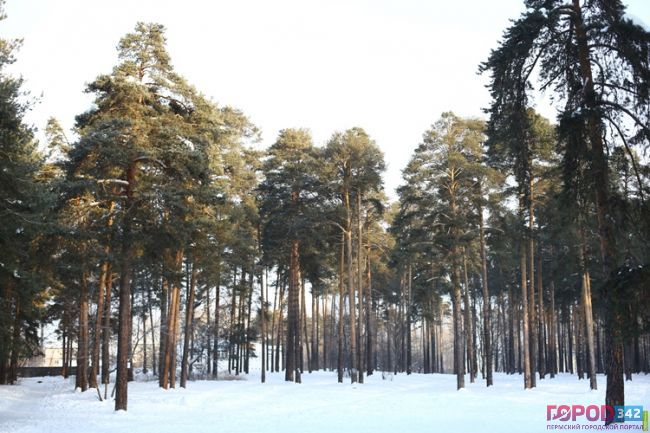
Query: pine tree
[356,164]
[22,219]
[288,199]
[567,40]
[148,152]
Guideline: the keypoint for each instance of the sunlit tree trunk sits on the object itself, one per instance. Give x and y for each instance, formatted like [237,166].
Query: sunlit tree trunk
[189,328]
[532,316]
[124,320]
[164,306]
[82,337]
[528,382]
[487,350]
[615,393]
[340,336]
[369,328]
[588,313]
[541,339]
[469,332]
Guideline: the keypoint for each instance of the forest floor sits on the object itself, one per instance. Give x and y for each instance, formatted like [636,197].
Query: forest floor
[400,403]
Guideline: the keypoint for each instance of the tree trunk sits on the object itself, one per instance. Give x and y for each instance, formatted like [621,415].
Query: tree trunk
[486,297]
[215,329]
[82,342]
[144,335]
[263,285]
[168,370]
[233,309]
[327,318]
[569,324]
[340,336]
[578,326]
[553,332]
[314,332]
[15,339]
[587,309]
[469,333]
[162,340]
[524,301]
[151,327]
[124,319]
[103,277]
[369,331]
[273,314]
[360,261]
[351,294]
[280,328]
[541,339]
[305,334]
[615,393]
[248,338]
[532,317]
[458,332]
[511,324]
[292,349]
[189,328]
[5,305]
[106,332]
[409,300]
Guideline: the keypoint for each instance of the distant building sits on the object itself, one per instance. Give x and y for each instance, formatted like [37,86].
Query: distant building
[50,357]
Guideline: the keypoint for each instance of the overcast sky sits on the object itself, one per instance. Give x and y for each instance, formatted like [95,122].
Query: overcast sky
[389,66]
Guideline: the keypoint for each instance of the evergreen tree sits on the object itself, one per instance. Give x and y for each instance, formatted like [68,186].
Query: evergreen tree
[288,199]
[355,165]
[569,41]
[23,201]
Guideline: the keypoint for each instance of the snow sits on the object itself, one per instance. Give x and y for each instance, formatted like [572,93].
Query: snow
[399,404]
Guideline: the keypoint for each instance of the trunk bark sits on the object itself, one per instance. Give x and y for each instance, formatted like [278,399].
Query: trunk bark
[340,336]
[151,327]
[541,339]
[615,393]
[280,358]
[369,331]
[407,312]
[553,332]
[15,339]
[305,334]
[486,297]
[511,338]
[215,331]
[106,332]
[469,332]
[315,343]
[99,317]
[588,313]
[524,301]
[164,295]
[458,332]
[82,342]
[351,294]
[360,321]
[532,317]
[292,373]
[124,320]
[263,283]
[169,366]
[189,328]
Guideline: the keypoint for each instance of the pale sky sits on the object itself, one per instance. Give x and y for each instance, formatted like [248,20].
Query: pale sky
[389,66]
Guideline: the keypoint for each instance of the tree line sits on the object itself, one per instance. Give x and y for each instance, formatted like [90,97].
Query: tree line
[156,235]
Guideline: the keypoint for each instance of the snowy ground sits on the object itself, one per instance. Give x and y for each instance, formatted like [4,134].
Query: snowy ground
[416,403]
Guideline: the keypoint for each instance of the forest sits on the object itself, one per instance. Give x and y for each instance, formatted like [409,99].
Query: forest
[156,238]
